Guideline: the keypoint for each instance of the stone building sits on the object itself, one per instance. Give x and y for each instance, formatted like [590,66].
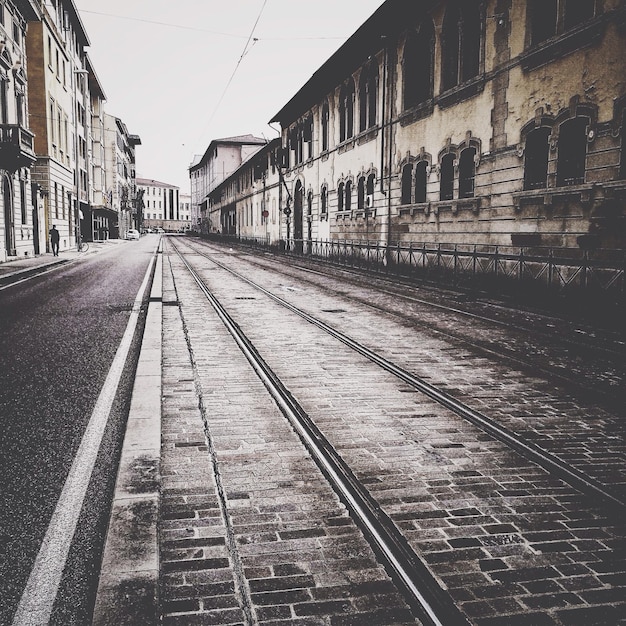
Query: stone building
[57,96]
[163,206]
[477,121]
[248,203]
[22,229]
[120,158]
[220,159]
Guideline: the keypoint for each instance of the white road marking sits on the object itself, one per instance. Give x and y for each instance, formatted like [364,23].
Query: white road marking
[38,598]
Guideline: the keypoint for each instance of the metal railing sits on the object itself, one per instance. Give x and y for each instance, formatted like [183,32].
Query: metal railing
[509,269]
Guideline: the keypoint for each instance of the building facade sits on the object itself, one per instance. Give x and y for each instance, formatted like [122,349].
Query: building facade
[163,206]
[120,172]
[496,122]
[220,160]
[247,203]
[58,104]
[22,230]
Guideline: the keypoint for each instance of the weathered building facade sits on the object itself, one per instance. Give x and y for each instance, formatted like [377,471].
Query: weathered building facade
[22,230]
[496,122]
[248,202]
[220,160]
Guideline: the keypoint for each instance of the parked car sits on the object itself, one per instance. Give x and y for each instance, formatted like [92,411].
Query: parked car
[132,234]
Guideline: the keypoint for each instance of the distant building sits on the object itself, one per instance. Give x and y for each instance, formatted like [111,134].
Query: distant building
[163,206]
[220,160]
[120,175]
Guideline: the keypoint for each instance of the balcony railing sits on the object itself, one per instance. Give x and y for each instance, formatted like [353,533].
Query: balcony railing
[16,147]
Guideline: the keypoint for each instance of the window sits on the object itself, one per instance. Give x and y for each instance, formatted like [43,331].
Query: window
[446,182]
[418,65]
[325,122]
[361,193]
[371,181]
[368,96]
[467,172]
[340,197]
[407,180]
[324,200]
[536,158]
[570,169]
[577,12]
[24,214]
[461,42]
[421,178]
[543,15]
[348,203]
[346,111]
[4,103]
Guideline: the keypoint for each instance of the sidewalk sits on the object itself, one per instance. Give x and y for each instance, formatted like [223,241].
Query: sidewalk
[13,270]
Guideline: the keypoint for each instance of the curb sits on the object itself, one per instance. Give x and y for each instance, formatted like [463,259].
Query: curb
[129,576]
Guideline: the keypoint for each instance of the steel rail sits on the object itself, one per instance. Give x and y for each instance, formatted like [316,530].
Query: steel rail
[551,463]
[429,601]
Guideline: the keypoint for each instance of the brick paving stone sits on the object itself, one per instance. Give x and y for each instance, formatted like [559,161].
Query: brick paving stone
[248,524]
[418,458]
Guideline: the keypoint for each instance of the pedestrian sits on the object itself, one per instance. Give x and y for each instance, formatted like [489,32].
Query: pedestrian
[54,240]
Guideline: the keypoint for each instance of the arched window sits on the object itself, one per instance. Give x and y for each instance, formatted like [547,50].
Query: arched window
[407,179]
[570,167]
[361,193]
[461,43]
[340,196]
[368,96]
[467,172]
[446,182]
[324,200]
[420,181]
[536,158]
[418,65]
[346,111]
[348,203]
[325,123]
[371,181]
[542,20]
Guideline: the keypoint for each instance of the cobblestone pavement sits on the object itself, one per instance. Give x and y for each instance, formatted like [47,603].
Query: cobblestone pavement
[250,530]
[510,543]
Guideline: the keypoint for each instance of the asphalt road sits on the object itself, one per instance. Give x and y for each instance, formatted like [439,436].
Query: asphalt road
[58,337]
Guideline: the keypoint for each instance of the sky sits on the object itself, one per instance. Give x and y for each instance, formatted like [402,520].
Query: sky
[180,74]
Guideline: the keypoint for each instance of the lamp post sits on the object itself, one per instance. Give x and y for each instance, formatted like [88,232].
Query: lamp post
[78,234]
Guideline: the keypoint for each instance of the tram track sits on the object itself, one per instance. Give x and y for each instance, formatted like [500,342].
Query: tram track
[579,345]
[526,448]
[431,604]
[422,589]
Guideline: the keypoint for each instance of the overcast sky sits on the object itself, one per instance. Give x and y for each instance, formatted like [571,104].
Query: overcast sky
[176,74]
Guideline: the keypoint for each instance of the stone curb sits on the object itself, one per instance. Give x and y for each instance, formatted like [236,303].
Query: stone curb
[129,577]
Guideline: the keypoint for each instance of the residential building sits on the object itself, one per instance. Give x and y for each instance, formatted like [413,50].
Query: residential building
[58,106]
[21,217]
[493,122]
[120,159]
[100,219]
[163,206]
[220,160]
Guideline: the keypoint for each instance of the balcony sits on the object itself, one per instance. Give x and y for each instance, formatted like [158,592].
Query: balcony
[16,147]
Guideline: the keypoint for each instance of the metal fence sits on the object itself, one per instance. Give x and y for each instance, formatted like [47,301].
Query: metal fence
[544,271]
